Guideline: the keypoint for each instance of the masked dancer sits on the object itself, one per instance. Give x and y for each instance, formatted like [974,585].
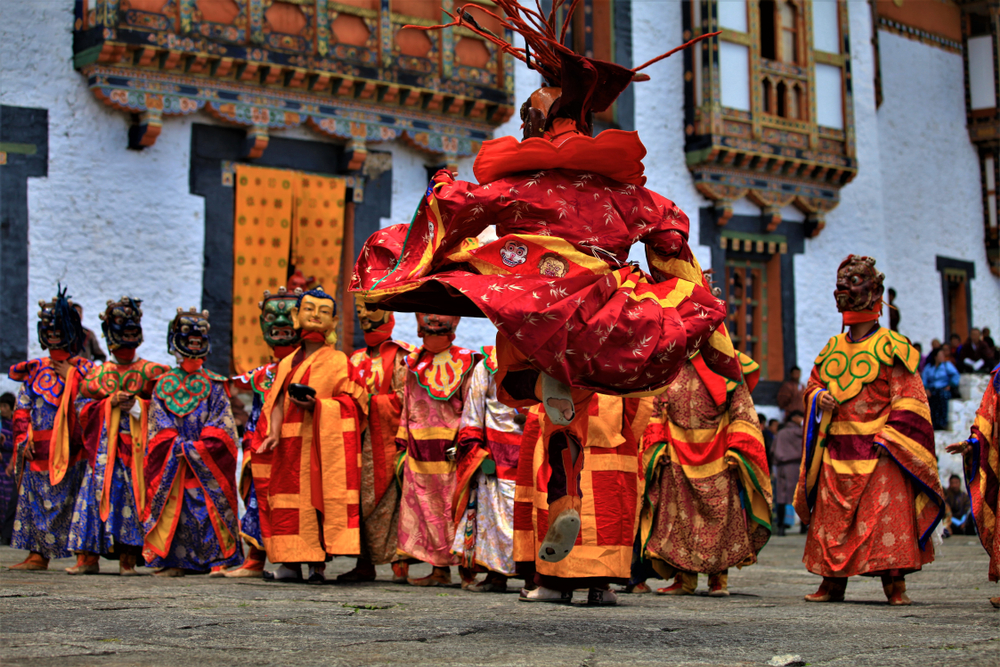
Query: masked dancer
[47,436]
[314,414]
[981,454]
[190,510]
[437,380]
[381,367]
[574,316]
[282,337]
[113,407]
[868,483]
[489,442]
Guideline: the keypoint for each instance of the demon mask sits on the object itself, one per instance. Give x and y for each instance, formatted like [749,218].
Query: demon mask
[369,319]
[121,324]
[315,315]
[535,110]
[188,334]
[276,318]
[859,286]
[59,327]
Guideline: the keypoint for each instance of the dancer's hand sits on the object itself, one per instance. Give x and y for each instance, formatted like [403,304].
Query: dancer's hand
[309,404]
[29,451]
[827,402]
[732,461]
[62,367]
[268,443]
[962,448]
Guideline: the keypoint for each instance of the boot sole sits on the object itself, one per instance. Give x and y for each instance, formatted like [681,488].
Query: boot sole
[560,537]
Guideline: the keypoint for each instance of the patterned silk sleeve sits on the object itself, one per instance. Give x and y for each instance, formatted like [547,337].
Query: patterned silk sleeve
[472,429]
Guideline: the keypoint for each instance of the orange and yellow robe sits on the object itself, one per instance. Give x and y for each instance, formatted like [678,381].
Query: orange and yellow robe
[382,371]
[982,473]
[433,399]
[47,489]
[609,429]
[190,514]
[315,474]
[868,483]
[700,515]
[108,511]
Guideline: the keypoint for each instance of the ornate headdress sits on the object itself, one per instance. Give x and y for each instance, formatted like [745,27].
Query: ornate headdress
[121,323]
[188,334]
[587,85]
[859,290]
[276,317]
[59,326]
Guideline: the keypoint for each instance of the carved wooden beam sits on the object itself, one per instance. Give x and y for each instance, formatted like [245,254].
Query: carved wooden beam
[144,133]
[256,142]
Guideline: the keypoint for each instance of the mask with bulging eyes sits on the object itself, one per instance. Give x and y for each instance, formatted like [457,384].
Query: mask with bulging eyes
[859,285]
[121,323]
[276,318]
[188,334]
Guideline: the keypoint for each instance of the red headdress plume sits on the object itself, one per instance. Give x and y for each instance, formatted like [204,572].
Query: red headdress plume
[587,84]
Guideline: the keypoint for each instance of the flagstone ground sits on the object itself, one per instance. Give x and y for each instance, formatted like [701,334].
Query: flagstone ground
[50,618]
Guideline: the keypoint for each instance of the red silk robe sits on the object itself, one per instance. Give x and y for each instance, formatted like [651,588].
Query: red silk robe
[557,283]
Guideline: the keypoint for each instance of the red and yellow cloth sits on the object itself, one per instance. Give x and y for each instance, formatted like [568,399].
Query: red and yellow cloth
[313,488]
[982,473]
[610,483]
[873,457]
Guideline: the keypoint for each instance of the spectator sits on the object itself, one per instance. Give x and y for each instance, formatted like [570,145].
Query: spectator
[768,439]
[989,341]
[961,509]
[8,495]
[935,344]
[787,455]
[91,347]
[790,392]
[974,355]
[939,377]
[954,342]
[920,351]
[893,311]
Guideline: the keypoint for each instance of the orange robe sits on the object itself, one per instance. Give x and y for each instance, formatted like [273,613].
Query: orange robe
[312,495]
[610,427]
[868,482]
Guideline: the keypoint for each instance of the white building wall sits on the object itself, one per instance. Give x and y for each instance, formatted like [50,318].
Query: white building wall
[931,187]
[856,225]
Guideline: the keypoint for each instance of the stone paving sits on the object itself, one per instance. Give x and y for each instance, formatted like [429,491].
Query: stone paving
[50,618]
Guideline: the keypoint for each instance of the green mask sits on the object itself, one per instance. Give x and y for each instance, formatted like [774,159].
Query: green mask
[276,319]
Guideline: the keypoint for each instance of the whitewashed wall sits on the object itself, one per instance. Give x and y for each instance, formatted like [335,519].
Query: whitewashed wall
[931,191]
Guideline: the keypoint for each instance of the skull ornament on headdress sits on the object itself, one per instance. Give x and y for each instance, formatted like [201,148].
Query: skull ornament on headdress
[121,323]
[59,325]
[276,317]
[188,334]
[859,289]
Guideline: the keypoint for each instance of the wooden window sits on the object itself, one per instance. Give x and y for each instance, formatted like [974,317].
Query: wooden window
[752,289]
[789,33]
[957,296]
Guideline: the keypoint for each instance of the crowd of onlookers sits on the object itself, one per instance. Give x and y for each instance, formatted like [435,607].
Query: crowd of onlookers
[942,366]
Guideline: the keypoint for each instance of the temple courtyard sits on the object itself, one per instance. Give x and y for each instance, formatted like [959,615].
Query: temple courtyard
[50,618]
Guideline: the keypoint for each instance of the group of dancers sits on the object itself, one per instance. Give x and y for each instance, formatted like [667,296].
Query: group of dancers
[611,427]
